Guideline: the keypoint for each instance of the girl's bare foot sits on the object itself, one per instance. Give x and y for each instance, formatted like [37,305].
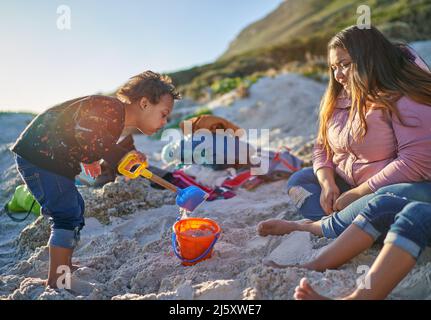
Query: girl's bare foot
[305,292]
[278,227]
[270,263]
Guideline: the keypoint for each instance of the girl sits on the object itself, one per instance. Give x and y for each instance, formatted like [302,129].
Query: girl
[374,135]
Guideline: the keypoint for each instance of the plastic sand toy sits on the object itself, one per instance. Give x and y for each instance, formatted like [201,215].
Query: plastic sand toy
[189,198]
[193,239]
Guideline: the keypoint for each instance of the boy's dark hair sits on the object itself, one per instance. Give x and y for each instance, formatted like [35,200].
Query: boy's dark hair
[147,84]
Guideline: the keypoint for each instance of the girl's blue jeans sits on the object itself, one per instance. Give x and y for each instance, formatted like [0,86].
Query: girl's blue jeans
[306,197]
[408,222]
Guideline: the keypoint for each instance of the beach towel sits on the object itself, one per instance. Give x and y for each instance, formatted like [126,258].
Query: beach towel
[182,180]
[282,164]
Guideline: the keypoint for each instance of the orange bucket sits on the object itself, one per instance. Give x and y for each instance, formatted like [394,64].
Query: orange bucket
[193,239]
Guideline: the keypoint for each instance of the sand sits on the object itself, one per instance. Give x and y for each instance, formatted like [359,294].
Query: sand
[126,252]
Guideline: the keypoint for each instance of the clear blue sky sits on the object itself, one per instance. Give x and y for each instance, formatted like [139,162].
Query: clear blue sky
[108,42]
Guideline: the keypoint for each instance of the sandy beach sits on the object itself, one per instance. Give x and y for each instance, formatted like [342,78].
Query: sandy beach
[125,249]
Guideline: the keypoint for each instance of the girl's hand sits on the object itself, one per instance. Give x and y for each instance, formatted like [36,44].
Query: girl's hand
[328,197]
[93,169]
[352,195]
[345,199]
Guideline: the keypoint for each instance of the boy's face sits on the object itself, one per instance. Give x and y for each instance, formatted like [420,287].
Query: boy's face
[154,117]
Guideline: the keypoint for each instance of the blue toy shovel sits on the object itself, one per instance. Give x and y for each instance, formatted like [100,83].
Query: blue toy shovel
[189,198]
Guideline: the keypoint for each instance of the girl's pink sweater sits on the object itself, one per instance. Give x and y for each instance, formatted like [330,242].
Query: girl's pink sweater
[389,153]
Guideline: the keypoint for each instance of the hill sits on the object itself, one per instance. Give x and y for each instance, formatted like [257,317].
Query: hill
[293,35]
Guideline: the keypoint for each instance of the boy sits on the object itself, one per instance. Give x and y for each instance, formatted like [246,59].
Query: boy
[84,130]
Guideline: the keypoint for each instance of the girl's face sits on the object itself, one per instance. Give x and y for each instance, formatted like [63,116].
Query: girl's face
[154,117]
[340,64]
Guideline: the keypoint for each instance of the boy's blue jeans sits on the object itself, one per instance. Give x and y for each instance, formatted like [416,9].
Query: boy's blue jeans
[60,201]
[408,222]
[308,202]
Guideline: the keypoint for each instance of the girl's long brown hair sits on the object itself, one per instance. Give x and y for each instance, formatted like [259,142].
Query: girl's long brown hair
[381,72]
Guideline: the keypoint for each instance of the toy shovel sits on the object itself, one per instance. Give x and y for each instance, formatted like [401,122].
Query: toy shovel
[189,198]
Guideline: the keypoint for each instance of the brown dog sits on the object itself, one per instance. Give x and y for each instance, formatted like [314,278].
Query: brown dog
[211,123]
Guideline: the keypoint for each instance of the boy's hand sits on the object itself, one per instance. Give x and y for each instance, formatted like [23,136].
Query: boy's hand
[93,169]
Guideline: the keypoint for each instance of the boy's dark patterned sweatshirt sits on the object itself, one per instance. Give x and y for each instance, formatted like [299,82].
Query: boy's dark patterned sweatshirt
[82,130]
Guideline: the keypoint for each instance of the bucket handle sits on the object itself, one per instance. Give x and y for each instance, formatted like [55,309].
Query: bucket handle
[6,210]
[174,246]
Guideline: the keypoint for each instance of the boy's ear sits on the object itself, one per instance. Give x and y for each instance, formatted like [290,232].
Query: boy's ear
[143,103]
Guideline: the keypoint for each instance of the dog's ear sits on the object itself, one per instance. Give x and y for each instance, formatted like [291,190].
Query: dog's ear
[194,122]
[211,123]
[224,124]
[216,125]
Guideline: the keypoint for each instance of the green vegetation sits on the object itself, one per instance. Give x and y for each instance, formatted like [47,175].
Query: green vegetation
[301,18]
[297,29]
[228,84]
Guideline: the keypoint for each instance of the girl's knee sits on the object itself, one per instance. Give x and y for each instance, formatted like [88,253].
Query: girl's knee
[382,209]
[385,202]
[417,215]
[380,200]
[301,177]
[414,224]
[304,190]
[393,188]
[415,191]
[299,195]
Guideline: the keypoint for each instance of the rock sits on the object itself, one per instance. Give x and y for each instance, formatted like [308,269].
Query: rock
[9,284]
[34,235]
[296,248]
[29,289]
